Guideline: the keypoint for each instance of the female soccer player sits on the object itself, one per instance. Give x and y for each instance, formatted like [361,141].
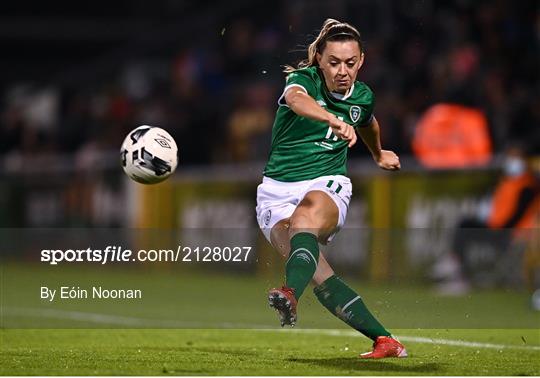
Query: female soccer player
[304,195]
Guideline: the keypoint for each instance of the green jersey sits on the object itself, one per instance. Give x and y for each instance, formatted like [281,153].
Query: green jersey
[304,149]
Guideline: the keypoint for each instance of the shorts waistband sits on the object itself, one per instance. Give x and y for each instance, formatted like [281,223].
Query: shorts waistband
[268,180]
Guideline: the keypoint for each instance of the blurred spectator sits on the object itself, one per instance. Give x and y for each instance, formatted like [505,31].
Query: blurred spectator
[250,123]
[417,55]
[30,119]
[507,227]
[531,264]
[209,73]
[452,136]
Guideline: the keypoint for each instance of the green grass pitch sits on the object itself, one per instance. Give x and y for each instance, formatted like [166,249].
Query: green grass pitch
[251,352]
[485,333]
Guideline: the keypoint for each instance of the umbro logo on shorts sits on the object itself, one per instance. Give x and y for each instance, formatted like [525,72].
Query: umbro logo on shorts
[267,216]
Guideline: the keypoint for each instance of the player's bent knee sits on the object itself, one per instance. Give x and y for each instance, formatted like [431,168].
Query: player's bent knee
[303,221]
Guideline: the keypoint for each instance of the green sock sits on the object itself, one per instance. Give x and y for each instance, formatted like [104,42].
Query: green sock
[302,262]
[346,304]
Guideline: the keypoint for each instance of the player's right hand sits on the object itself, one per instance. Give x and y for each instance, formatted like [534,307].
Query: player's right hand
[343,130]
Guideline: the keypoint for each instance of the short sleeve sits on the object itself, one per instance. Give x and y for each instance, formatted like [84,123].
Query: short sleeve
[366,115]
[300,79]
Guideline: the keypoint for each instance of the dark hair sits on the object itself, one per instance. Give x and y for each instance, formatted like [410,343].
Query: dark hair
[332,30]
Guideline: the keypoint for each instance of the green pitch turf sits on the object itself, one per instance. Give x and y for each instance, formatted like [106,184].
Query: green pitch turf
[489,332]
[252,352]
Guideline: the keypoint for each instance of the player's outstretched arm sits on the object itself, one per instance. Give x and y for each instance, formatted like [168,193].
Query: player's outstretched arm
[305,106]
[371,136]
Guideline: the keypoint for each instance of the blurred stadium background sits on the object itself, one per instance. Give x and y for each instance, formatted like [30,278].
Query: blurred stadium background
[78,76]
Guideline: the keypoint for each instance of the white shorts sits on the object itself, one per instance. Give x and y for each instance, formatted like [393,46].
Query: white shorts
[277,200]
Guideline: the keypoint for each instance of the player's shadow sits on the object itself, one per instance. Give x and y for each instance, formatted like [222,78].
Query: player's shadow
[357,364]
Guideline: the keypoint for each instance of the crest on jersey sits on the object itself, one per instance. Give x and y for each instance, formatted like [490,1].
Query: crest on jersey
[355,112]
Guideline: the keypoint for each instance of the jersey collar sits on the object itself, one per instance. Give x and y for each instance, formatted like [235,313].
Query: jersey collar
[345,96]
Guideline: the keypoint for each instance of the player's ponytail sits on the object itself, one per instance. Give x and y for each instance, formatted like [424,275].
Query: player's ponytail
[332,30]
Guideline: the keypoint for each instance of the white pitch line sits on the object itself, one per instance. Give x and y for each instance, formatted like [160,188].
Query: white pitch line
[125,321]
[156,323]
[468,344]
[411,339]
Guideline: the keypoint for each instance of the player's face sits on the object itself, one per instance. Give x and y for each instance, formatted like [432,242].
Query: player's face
[340,62]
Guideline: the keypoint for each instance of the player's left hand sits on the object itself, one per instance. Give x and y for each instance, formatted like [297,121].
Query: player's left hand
[388,160]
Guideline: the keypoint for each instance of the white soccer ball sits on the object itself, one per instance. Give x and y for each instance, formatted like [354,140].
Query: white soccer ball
[149,154]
